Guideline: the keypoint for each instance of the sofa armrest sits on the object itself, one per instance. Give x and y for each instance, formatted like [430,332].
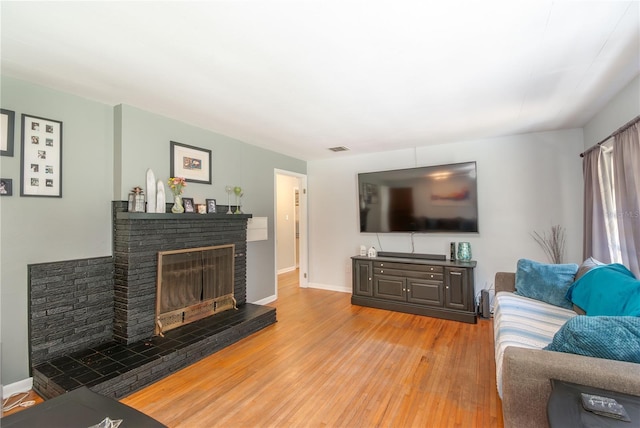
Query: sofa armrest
[526,386]
[505,281]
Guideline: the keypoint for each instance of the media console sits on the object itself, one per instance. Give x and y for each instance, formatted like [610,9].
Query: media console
[436,288]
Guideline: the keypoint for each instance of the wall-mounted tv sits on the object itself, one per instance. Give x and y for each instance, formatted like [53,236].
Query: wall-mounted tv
[427,199]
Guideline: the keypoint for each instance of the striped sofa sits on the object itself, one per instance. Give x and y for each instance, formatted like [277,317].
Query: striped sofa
[522,327]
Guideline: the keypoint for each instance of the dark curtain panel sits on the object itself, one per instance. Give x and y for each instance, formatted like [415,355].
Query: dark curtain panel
[595,242]
[626,171]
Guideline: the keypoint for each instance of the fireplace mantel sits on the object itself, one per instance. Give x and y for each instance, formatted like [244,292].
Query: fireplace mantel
[186,217]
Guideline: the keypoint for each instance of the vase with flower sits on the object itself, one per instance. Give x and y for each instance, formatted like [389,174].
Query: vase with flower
[176,184]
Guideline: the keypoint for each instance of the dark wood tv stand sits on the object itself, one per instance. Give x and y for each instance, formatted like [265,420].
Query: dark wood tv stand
[436,288]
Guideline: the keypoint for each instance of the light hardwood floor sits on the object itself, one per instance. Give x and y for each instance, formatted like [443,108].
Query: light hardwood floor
[328,363]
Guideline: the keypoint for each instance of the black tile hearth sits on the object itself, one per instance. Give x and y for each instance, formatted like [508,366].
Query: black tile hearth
[116,370]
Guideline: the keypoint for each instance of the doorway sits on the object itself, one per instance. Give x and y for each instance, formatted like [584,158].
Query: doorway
[290,225]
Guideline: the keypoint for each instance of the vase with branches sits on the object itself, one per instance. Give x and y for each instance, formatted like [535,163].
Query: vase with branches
[552,243]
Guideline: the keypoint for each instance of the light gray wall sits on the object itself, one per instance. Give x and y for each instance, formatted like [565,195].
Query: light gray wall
[526,183]
[36,230]
[620,110]
[106,152]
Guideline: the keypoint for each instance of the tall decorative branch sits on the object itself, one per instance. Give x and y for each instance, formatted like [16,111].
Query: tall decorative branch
[552,244]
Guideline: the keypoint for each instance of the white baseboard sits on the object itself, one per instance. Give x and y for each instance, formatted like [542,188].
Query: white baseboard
[287,269]
[20,386]
[266,300]
[329,287]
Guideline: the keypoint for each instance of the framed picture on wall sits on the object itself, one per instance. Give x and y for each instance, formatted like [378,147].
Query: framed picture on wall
[7,118]
[6,187]
[191,163]
[41,151]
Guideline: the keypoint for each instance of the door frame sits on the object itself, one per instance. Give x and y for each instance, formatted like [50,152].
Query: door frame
[303,279]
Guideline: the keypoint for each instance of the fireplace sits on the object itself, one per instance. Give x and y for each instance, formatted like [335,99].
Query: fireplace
[139,237]
[193,283]
[92,321]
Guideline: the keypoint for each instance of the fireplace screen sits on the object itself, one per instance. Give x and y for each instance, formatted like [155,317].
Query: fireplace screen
[193,284]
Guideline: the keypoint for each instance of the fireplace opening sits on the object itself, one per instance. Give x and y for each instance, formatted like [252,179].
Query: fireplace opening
[192,284]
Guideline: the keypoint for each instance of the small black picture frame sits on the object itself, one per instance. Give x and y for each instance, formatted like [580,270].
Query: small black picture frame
[7,127]
[211,206]
[189,206]
[6,187]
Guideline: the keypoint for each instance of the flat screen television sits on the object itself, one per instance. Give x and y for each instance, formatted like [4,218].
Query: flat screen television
[428,199]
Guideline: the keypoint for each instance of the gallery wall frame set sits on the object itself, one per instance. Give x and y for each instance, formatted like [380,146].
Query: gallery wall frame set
[41,152]
[191,163]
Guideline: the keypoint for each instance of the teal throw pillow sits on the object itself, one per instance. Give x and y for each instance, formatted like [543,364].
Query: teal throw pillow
[546,282]
[612,338]
[607,290]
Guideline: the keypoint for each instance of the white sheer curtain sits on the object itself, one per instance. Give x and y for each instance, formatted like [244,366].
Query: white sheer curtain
[626,185]
[606,177]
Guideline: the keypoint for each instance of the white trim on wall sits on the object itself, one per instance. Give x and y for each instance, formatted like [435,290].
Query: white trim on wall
[23,385]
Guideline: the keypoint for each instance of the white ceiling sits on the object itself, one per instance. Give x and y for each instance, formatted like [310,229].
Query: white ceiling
[301,76]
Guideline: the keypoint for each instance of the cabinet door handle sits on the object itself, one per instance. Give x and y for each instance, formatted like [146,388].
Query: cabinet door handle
[381,270]
[456,273]
[431,276]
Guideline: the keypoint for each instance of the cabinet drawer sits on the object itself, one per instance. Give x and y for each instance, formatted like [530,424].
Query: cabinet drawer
[409,274]
[408,267]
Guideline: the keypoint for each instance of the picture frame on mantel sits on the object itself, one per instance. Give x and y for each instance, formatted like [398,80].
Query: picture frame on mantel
[190,162]
[189,206]
[7,124]
[211,206]
[41,152]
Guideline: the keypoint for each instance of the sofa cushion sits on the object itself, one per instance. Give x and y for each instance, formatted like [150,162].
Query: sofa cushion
[607,290]
[525,323]
[613,338]
[546,282]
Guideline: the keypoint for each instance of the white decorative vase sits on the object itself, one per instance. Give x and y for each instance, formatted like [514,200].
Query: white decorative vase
[177,207]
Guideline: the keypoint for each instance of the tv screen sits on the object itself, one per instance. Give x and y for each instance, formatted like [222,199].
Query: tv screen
[429,199]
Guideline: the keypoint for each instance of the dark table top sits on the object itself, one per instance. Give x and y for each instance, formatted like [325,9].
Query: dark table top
[79,408]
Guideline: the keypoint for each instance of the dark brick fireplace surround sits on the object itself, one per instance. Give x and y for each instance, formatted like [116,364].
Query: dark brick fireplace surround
[91,321]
